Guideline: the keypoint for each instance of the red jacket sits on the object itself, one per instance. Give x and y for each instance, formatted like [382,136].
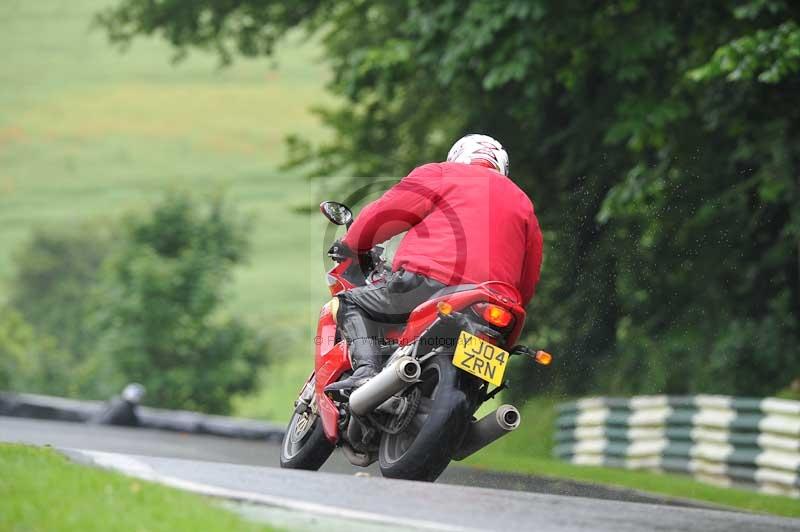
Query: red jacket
[465,223]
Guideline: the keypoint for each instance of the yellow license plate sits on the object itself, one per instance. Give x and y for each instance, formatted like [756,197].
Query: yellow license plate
[480,358]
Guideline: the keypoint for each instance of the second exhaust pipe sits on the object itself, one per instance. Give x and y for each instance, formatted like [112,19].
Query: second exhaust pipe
[488,429]
[392,379]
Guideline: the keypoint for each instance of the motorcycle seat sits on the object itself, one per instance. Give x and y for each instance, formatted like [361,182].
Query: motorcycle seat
[447,290]
[394,331]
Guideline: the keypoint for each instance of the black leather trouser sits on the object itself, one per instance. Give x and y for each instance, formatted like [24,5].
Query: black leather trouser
[366,311]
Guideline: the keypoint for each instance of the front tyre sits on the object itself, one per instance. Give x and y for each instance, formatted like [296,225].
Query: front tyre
[304,444]
[424,448]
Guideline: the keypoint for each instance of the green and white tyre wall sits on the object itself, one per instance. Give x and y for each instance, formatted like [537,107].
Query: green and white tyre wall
[728,441]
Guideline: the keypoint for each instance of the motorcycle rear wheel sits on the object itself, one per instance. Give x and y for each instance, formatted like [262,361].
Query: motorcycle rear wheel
[424,449]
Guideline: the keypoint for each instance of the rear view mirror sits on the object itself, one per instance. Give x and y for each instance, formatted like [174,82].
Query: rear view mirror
[337,213]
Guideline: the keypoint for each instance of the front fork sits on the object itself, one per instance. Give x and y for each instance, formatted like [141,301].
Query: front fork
[306,398]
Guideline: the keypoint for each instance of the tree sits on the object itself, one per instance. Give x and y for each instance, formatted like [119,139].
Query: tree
[661,141]
[161,299]
[30,362]
[53,289]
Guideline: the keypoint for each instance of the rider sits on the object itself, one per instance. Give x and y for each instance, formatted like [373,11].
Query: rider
[467,223]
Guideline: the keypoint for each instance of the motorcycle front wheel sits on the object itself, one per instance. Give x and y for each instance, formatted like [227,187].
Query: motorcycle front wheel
[424,448]
[304,444]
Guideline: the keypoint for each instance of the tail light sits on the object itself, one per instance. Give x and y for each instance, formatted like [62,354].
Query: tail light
[493,314]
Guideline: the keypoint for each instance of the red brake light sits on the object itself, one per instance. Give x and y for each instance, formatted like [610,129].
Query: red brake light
[493,314]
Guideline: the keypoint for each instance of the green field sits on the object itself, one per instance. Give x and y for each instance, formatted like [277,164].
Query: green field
[88,133]
[38,486]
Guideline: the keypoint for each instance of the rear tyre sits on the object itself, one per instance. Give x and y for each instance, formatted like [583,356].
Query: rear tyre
[424,449]
[304,444]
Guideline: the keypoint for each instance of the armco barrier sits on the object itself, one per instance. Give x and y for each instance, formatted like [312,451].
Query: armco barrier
[62,409]
[719,439]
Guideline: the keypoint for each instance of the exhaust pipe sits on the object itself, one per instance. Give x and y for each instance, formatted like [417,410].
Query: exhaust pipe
[394,378]
[488,429]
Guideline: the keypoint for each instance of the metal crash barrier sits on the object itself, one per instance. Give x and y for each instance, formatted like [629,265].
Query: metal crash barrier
[727,441]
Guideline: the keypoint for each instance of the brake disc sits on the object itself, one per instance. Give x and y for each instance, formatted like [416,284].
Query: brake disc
[398,423]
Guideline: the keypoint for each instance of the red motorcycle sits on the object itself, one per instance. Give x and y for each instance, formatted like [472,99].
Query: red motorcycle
[417,414]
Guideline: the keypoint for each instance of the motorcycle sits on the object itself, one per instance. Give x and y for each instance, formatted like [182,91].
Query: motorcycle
[417,414]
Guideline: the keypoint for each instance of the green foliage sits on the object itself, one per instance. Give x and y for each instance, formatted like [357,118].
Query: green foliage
[47,335]
[161,303]
[56,273]
[218,26]
[791,392]
[768,55]
[96,311]
[30,362]
[661,142]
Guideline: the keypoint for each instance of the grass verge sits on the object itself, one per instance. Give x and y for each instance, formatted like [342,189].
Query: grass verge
[527,451]
[42,490]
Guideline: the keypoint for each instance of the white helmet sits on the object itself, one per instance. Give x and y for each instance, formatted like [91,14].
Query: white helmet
[479,149]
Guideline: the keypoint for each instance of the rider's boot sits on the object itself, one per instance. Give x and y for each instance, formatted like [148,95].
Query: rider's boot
[362,341]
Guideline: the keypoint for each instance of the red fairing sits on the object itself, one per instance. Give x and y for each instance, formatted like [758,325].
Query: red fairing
[336,281]
[425,314]
[331,361]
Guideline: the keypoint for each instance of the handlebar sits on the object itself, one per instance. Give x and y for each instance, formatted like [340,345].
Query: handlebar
[370,262]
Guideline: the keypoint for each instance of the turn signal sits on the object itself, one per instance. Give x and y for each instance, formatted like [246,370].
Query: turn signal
[445,308]
[543,357]
[495,315]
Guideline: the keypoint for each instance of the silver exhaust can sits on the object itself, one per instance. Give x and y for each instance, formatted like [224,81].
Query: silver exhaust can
[488,429]
[392,379]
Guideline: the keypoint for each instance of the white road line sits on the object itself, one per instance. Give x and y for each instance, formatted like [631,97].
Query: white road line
[136,468]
